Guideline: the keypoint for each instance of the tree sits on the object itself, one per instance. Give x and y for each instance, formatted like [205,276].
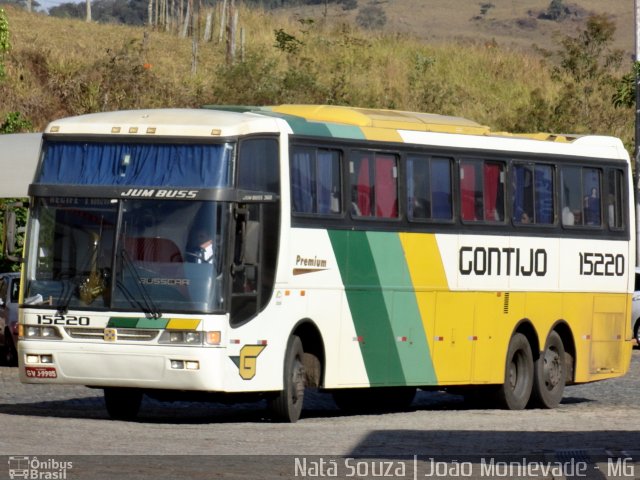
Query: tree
[556,11]
[625,95]
[4,40]
[586,72]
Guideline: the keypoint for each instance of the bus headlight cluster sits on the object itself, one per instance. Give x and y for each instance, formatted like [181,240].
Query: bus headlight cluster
[190,337]
[181,337]
[29,332]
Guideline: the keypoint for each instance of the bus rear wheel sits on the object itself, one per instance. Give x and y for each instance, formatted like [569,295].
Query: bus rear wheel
[549,374]
[122,403]
[515,392]
[287,405]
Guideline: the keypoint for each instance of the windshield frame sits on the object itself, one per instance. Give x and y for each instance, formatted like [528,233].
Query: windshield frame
[104,282]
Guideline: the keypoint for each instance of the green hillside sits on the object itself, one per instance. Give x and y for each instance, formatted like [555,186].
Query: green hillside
[59,67]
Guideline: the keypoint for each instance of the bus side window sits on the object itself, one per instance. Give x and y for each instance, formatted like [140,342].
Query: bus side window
[581,198]
[374,185]
[615,199]
[533,194]
[482,190]
[258,167]
[315,181]
[428,188]
[571,196]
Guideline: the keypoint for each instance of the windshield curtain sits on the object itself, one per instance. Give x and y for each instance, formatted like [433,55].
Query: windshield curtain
[163,256]
[141,164]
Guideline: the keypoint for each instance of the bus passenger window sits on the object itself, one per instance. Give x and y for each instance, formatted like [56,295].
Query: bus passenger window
[482,191]
[428,188]
[374,185]
[581,199]
[614,204]
[316,181]
[533,194]
[571,196]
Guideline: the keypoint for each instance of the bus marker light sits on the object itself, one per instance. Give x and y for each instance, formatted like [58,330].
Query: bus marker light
[133,129]
[473,338]
[234,341]
[216,131]
[213,338]
[262,342]
[151,130]
[402,339]
[439,339]
[115,129]
[586,337]
[177,364]
[302,293]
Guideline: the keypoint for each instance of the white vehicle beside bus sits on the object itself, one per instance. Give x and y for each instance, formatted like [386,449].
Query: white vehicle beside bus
[227,252]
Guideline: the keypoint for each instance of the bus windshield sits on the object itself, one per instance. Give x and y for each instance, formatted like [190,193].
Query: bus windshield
[150,255]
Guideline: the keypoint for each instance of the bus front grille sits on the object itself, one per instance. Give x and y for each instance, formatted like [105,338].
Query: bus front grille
[122,334]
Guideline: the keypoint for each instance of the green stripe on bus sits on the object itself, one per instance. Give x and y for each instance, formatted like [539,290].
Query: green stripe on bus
[346,131]
[128,322]
[368,308]
[152,323]
[122,322]
[400,299]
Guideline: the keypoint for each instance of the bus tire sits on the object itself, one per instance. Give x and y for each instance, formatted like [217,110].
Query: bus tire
[287,404]
[122,403]
[515,392]
[549,374]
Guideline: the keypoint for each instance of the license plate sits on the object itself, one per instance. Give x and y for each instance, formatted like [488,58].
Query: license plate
[41,372]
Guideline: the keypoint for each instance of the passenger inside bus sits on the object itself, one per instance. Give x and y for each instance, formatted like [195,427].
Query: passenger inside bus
[202,248]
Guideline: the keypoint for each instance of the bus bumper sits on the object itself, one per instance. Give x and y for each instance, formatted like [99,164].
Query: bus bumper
[94,365]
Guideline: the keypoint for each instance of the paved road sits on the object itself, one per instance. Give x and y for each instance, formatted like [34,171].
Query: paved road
[600,419]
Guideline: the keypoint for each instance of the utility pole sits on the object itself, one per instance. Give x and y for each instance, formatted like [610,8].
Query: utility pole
[637,129]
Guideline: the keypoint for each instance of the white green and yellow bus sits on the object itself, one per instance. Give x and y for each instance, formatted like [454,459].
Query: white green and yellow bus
[227,252]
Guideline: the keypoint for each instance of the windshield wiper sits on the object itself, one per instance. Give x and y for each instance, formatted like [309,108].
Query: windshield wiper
[149,307]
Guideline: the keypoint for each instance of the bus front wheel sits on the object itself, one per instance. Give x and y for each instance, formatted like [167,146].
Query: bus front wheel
[287,405]
[122,403]
[549,374]
[515,392]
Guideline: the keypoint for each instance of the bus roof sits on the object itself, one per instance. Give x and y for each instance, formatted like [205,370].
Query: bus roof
[330,121]
[169,122]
